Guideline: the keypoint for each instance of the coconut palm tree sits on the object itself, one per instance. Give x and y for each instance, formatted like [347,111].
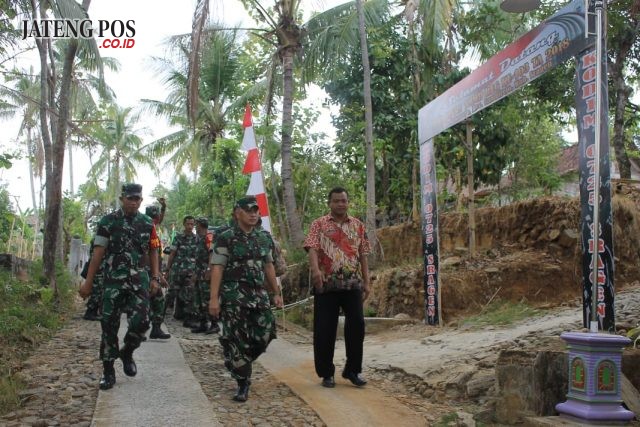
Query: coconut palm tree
[23,99]
[121,155]
[220,93]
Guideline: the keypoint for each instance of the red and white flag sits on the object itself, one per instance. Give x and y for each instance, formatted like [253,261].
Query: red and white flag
[253,166]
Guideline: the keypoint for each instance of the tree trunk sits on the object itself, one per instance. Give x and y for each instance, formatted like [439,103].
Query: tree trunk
[471,209]
[71,170]
[282,226]
[54,185]
[297,236]
[368,133]
[622,99]
[32,185]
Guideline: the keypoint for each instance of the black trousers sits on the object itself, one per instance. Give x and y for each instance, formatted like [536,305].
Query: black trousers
[325,323]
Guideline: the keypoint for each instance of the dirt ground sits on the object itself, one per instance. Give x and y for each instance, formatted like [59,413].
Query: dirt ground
[526,252]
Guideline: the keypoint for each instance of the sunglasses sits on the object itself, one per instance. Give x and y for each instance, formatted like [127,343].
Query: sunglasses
[134,198]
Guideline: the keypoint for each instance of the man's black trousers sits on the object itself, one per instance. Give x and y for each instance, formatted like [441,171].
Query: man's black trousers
[325,323]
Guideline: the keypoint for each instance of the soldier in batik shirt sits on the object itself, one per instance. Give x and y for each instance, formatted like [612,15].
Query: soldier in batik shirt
[242,269]
[124,240]
[181,267]
[338,248]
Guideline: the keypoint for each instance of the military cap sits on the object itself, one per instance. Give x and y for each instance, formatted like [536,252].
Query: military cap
[247,202]
[152,211]
[131,189]
[202,221]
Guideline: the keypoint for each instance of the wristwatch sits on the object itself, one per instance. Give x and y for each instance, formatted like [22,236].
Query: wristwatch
[156,278]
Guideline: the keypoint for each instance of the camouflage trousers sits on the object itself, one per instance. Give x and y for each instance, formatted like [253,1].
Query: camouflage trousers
[201,299]
[157,305]
[246,333]
[121,298]
[94,303]
[181,292]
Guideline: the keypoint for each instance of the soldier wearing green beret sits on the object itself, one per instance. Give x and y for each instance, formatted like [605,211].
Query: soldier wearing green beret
[125,241]
[242,279]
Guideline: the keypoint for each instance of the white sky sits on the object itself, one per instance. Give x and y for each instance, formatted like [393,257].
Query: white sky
[155,20]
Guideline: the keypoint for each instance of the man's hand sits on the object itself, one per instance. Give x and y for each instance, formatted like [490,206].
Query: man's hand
[85,289]
[214,307]
[154,287]
[277,301]
[163,282]
[365,291]
[317,278]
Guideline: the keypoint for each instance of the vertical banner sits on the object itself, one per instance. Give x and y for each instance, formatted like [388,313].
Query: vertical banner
[253,166]
[430,248]
[602,245]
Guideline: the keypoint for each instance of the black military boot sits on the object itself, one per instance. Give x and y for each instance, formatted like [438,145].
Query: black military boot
[213,328]
[158,333]
[243,390]
[91,314]
[108,376]
[190,322]
[128,364]
[202,327]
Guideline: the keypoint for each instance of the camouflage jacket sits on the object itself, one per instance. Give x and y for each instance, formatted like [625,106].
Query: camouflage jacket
[244,257]
[127,241]
[184,263]
[202,255]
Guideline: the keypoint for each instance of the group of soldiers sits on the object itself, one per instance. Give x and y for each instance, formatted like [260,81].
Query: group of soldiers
[184,284]
[233,281]
[228,275]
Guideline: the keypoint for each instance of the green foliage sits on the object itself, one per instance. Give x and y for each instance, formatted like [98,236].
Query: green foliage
[74,220]
[502,313]
[29,314]
[447,420]
[7,217]
[301,315]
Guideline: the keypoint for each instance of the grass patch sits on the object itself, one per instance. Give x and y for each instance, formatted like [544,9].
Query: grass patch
[502,313]
[29,314]
[301,315]
[447,420]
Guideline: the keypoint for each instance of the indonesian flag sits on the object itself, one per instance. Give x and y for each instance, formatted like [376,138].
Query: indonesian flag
[253,166]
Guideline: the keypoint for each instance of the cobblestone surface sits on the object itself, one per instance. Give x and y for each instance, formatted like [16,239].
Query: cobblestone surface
[61,378]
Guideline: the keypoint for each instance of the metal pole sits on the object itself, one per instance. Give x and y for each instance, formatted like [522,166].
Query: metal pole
[596,170]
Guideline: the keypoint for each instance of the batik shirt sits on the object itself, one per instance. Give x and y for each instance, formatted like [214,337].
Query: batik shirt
[184,263]
[243,256]
[339,247]
[127,240]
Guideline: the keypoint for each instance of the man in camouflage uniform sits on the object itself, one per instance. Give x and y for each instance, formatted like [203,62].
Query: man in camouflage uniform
[202,278]
[157,301]
[181,266]
[242,269]
[94,303]
[124,240]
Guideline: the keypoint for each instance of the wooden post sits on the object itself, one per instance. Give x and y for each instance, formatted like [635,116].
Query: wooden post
[471,207]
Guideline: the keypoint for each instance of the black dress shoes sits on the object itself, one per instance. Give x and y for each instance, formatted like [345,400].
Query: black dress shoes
[328,382]
[128,364]
[355,379]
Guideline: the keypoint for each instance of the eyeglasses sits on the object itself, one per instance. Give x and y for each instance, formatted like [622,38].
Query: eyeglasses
[134,198]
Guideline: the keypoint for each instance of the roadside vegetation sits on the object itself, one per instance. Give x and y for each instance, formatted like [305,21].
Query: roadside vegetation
[502,313]
[29,315]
